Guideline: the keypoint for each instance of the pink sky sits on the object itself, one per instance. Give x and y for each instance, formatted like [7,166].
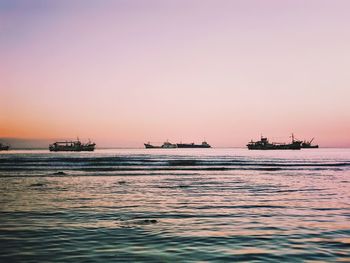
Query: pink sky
[126,72]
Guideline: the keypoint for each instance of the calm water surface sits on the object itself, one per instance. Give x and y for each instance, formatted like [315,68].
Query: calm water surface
[174,205]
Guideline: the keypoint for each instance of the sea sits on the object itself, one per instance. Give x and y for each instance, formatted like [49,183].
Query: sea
[175,205]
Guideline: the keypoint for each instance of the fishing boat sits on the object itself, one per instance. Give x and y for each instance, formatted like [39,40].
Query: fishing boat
[264,144]
[72,146]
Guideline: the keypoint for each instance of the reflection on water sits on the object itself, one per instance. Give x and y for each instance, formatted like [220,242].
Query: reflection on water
[175,205]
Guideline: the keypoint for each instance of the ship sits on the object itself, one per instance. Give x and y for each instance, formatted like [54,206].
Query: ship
[193,145]
[72,146]
[150,146]
[308,144]
[4,147]
[166,145]
[264,144]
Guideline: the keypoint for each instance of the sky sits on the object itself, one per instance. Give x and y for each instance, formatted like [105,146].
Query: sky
[127,72]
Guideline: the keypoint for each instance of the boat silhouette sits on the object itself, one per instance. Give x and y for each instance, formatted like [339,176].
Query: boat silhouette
[166,145]
[264,144]
[72,146]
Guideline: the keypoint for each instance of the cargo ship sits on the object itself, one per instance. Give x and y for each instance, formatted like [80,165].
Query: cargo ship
[166,145]
[72,146]
[308,144]
[193,145]
[4,147]
[264,144]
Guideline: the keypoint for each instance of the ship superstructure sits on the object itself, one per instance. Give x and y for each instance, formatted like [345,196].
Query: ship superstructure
[308,144]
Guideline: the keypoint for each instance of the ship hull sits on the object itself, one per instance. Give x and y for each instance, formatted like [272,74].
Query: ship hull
[180,145]
[150,146]
[309,147]
[72,149]
[268,149]
[274,147]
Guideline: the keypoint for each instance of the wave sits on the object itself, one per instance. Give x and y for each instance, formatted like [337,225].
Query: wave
[154,163]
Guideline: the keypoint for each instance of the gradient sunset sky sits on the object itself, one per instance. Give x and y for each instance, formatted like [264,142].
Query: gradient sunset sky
[127,72]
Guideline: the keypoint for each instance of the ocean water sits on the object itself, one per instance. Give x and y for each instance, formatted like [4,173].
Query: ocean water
[175,205]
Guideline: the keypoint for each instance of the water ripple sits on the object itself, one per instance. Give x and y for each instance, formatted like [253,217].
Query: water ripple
[211,206]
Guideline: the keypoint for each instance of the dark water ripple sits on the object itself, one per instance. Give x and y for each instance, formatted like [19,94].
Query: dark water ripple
[175,206]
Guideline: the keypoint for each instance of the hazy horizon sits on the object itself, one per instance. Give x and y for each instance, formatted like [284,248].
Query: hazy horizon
[126,72]
[25,143]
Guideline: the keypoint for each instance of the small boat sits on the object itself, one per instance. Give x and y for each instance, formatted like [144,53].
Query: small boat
[264,144]
[308,144]
[166,145]
[72,146]
[193,145]
[4,147]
